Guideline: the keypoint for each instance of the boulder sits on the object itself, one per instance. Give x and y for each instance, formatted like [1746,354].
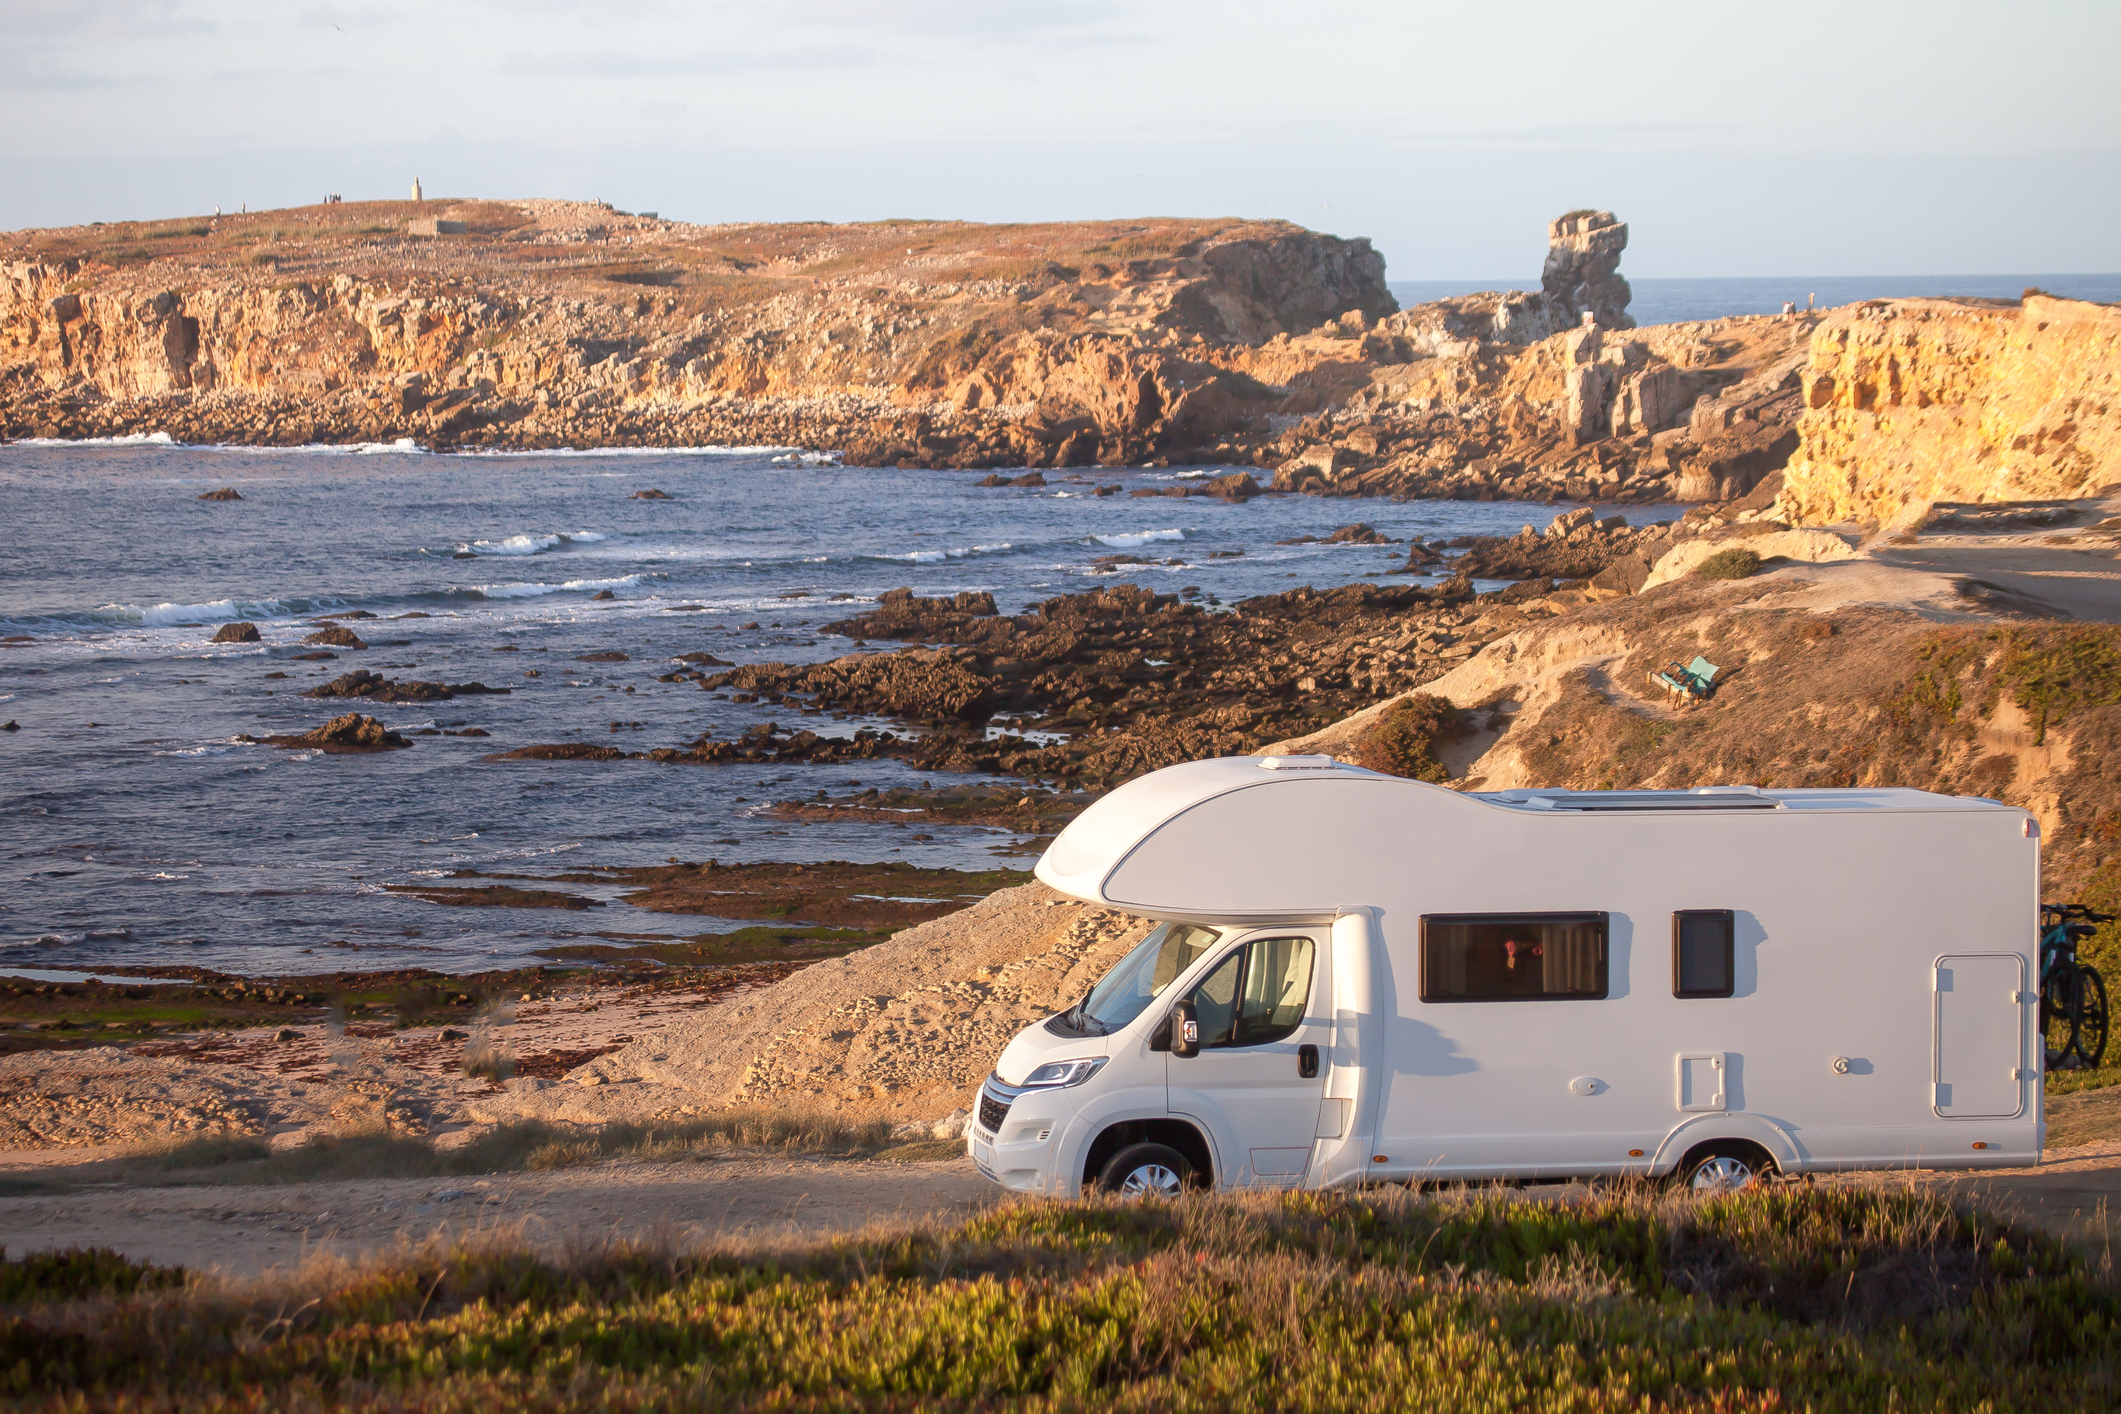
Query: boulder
[226,493]
[1358,534]
[347,735]
[336,637]
[651,494]
[237,633]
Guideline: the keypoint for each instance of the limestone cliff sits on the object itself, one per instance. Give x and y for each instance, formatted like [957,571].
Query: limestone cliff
[541,323]
[1912,402]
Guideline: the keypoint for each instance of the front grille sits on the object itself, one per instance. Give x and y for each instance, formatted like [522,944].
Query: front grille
[992,1112]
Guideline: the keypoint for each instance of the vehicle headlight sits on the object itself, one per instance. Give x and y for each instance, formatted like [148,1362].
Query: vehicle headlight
[1054,1075]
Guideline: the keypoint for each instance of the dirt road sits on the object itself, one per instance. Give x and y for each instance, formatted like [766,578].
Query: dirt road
[246,1231]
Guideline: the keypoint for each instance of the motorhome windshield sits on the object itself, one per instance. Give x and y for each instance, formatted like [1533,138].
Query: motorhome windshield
[1139,979]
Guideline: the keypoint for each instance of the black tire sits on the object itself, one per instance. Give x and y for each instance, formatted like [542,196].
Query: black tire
[1143,1171]
[2091,1017]
[1726,1167]
[2058,1015]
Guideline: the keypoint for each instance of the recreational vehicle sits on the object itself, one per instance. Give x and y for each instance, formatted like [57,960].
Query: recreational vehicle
[1358,978]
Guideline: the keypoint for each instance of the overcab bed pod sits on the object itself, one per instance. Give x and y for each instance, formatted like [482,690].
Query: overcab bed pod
[1547,983]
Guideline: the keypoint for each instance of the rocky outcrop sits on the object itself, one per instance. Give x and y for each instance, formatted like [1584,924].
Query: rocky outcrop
[351,734]
[1912,402]
[1582,274]
[374,687]
[336,636]
[239,632]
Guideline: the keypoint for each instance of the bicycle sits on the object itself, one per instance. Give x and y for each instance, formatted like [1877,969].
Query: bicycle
[2073,1012]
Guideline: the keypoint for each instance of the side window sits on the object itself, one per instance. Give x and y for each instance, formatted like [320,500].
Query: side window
[1215,1001]
[1513,957]
[1277,986]
[1703,944]
[1257,994]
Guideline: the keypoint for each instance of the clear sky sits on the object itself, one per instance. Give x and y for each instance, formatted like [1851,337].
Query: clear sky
[1802,137]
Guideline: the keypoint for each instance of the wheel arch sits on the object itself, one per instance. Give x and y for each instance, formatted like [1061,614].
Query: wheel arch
[1692,1133]
[1180,1134]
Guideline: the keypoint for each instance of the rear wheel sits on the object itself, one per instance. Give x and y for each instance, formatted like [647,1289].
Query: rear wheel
[2091,1016]
[1146,1171]
[2058,1015]
[1725,1168]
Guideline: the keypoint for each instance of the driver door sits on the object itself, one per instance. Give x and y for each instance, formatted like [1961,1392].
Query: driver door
[1263,1025]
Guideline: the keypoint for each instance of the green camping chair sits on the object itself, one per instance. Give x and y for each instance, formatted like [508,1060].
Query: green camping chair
[1696,680]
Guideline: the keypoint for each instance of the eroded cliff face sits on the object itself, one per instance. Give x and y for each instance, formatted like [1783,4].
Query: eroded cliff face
[1912,402]
[537,323]
[543,323]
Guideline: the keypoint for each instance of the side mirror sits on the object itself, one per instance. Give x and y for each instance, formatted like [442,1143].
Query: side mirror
[1185,1030]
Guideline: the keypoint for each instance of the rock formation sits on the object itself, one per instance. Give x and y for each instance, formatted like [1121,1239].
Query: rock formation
[352,734]
[1912,402]
[1251,344]
[1582,274]
[239,632]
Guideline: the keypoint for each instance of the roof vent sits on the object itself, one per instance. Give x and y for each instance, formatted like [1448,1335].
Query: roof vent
[1298,763]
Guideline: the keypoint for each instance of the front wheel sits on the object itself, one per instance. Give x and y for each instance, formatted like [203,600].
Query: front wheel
[1727,1168]
[1146,1171]
[2091,1016]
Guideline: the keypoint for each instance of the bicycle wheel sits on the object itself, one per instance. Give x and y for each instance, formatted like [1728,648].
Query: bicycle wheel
[2058,1015]
[2091,1016]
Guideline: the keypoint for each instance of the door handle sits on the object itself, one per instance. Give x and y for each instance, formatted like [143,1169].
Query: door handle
[1307,1062]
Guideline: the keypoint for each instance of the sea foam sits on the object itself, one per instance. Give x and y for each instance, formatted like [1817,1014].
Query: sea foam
[533,591]
[532,544]
[936,557]
[1139,538]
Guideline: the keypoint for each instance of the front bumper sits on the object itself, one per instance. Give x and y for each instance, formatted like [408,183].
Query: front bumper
[1012,1143]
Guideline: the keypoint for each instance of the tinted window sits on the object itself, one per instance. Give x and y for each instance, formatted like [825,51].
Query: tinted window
[1512,957]
[1702,948]
[1257,994]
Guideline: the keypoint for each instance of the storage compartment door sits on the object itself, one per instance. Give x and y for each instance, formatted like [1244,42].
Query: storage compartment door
[1979,1036]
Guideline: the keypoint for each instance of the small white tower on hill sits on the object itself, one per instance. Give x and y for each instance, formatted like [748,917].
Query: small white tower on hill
[416,189]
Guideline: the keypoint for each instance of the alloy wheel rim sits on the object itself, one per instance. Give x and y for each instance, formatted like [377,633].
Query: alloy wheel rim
[1151,1181]
[1722,1174]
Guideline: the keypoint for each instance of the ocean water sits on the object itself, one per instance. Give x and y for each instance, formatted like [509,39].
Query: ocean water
[1678,301]
[135,830]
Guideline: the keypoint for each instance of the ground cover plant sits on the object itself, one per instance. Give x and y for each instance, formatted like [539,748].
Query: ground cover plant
[1784,1299]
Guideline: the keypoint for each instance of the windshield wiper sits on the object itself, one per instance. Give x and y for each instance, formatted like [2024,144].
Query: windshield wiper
[1080,1021]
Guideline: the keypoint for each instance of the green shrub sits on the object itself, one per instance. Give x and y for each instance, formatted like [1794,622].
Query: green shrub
[1403,741]
[77,1274]
[1729,564]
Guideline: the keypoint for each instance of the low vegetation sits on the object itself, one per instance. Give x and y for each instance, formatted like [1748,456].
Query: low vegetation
[1736,563]
[1788,1299]
[1405,739]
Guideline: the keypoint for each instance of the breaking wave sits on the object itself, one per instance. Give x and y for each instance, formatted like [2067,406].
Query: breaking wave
[1139,538]
[530,544]
[936,557]
[533,591]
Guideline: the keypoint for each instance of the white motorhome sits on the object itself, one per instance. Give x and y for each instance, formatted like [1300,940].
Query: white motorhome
[1358,978]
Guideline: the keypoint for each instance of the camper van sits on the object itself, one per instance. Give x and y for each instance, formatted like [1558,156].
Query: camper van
[1356,978]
